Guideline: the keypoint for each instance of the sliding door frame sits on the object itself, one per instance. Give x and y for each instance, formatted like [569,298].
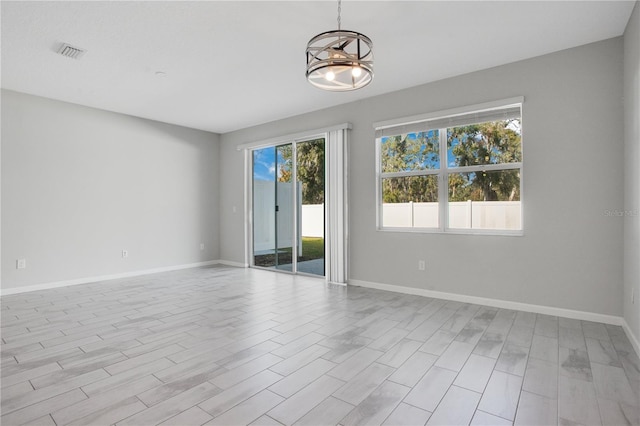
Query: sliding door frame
[335,206]
[295,228]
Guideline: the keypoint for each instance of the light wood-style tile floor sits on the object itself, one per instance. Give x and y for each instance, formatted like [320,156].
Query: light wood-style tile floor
[229,346]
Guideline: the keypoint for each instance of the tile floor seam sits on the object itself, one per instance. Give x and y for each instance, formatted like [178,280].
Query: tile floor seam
[357,306]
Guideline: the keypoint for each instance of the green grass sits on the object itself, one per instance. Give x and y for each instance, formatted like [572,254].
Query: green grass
[312,248]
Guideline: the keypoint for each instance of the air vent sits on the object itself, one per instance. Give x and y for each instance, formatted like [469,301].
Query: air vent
[71,51]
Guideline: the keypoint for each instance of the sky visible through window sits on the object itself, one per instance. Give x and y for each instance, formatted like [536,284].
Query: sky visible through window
[264,163]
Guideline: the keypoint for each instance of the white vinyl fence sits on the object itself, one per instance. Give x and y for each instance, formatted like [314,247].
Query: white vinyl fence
[312,220]
[462,215]
[264,216]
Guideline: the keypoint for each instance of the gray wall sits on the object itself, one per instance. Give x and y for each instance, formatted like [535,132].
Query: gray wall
[571,253]
[632,177]
[79,185]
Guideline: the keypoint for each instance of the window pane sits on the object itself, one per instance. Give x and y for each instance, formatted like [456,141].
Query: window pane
[264,207]
[310,174]
[284,207]
[412,151]
[493,142]
[485,200]
[410,202]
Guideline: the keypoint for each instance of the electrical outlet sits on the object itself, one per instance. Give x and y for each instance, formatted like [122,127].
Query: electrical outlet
[201,246]
[21,264]
[125,253]
[421,265]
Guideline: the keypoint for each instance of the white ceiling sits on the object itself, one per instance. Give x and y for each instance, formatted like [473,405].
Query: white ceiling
[235,64]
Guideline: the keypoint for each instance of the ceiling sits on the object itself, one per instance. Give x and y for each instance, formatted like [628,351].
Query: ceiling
[225,65]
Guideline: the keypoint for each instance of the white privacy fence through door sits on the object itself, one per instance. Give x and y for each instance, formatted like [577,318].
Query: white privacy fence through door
[264,207]
[311,223]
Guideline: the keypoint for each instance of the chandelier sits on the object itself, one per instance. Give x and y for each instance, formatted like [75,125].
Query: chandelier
[340,60]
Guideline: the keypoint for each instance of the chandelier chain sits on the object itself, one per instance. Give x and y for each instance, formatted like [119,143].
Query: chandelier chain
[339,11]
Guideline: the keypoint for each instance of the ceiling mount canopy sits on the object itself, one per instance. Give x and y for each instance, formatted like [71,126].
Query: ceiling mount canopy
[340,60]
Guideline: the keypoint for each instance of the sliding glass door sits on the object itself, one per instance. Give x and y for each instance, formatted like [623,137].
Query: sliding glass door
[288,205]
[311,181]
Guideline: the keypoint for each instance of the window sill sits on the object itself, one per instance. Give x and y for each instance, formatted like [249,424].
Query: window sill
[490,232]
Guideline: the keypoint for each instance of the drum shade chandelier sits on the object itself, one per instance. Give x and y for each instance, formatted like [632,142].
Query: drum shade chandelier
[340,60]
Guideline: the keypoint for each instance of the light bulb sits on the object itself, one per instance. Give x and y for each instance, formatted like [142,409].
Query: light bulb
[329,76]
[356,72]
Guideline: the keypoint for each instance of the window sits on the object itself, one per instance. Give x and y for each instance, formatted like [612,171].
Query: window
[453,171]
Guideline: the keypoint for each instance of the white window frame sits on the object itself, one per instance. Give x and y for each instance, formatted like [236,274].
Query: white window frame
[443,120]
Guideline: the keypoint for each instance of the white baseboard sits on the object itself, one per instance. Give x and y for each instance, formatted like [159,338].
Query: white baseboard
[496,303]
[635,342]
[232,263]
[505,304]
[86,280]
